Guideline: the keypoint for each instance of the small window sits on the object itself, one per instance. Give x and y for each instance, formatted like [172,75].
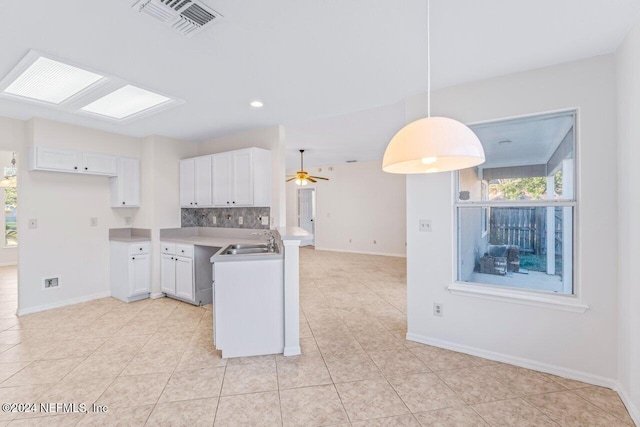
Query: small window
[10,216]
[515,213]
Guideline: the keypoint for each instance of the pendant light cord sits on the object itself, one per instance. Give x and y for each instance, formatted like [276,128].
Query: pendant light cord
[428,59]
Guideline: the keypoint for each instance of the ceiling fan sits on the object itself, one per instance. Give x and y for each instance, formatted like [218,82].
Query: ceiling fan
[302,177]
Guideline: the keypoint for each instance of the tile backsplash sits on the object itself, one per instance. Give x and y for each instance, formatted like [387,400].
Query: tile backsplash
[225,217]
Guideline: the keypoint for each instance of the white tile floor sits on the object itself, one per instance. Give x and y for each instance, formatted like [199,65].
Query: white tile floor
[152,363]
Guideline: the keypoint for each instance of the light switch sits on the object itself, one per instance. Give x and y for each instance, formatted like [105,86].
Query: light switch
[425,225]
[265,220]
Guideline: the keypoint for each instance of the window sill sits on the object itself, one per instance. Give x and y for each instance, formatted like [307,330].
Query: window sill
[565,303]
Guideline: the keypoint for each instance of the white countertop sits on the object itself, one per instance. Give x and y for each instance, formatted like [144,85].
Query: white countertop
[222,243]
[294,233]
[132,239]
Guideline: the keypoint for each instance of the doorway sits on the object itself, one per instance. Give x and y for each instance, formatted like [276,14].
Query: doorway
[9,244]
[307,213]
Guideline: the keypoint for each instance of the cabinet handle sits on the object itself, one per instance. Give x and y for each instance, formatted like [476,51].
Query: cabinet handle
[123,203]
[86,169]
[140,248]
[227,202]
[133,258]
[234,203]
[196,203]
[191,203]
[75,167]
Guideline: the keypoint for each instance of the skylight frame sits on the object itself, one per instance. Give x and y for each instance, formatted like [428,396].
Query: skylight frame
[30,59]
[171,102]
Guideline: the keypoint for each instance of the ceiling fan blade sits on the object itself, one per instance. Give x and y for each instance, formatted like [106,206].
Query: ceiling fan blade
[290,179]
[311,179]
[320,177]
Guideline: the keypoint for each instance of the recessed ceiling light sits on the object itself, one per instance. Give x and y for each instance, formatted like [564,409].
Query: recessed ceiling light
[51,81]
[257,104]
[125,102]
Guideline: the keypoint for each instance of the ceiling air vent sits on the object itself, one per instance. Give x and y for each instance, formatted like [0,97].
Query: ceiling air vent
[187,17]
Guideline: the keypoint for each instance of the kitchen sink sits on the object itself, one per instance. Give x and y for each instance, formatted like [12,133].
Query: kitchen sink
[246,249]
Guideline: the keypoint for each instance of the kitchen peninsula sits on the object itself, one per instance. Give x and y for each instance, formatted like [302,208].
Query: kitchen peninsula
[255,295]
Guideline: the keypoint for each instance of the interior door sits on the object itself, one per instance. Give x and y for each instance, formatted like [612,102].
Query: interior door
[168,274]
[203,181]
[184,278]
[141,274]
[187,183]
[307,211]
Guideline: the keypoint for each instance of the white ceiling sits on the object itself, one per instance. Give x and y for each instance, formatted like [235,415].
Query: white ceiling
[307,60]
[534,139]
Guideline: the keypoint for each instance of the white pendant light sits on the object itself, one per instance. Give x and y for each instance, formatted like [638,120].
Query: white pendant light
[432,144]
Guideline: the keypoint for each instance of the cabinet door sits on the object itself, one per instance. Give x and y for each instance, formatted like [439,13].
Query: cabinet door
[99,164]
[221,179]
[203,181]
[55,159]
[168,274]
[140,274]
[242,179]
[129,181]
[184,278]
[187,183]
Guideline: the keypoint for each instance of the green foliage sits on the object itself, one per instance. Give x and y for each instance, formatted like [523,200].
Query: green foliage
[11,196]
[523,188]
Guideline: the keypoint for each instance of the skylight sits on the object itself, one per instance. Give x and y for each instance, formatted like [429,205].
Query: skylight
[51,81]
[124,102]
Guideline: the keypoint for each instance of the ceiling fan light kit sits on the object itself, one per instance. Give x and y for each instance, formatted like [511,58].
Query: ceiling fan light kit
[302,177]
[432,144]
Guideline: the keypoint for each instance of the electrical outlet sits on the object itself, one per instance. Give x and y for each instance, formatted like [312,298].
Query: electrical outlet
[425,225]
[127,220]
[438,309]
[240,220]
[265,220]
[33,223]
[93,222]
[52,282]
[214,220]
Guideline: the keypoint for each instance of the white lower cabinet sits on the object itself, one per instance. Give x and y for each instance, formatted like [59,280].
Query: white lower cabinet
[130,270]
[248,307]
[177,271]
[184,277]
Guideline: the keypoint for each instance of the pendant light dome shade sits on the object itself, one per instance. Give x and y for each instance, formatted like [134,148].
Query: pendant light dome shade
[432,144]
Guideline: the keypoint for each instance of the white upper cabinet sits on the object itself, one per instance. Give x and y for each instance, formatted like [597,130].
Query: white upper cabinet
[125,187]
[234,178]
[187,183]
[195,182]
[123,172]
[242,182]
[99,164]
[54,159]
[203,181]
[221,179]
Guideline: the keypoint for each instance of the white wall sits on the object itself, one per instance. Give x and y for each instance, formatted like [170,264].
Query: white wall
[580,345]
[270,138]
[628,78]
[64,244]
[8,255]
[360,203]
[160,196]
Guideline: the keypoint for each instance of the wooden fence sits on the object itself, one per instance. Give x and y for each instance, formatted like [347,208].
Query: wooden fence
[525,227]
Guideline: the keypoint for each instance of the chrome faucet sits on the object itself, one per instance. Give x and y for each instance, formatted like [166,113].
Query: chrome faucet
[271,243]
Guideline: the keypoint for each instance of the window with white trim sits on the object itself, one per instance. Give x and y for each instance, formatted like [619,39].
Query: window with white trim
[515,213]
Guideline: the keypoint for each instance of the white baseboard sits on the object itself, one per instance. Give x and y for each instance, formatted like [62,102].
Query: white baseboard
[8,264]
[292,351]
[361,252]
[156,295]
[30,310]
[518,361]
[633,410]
